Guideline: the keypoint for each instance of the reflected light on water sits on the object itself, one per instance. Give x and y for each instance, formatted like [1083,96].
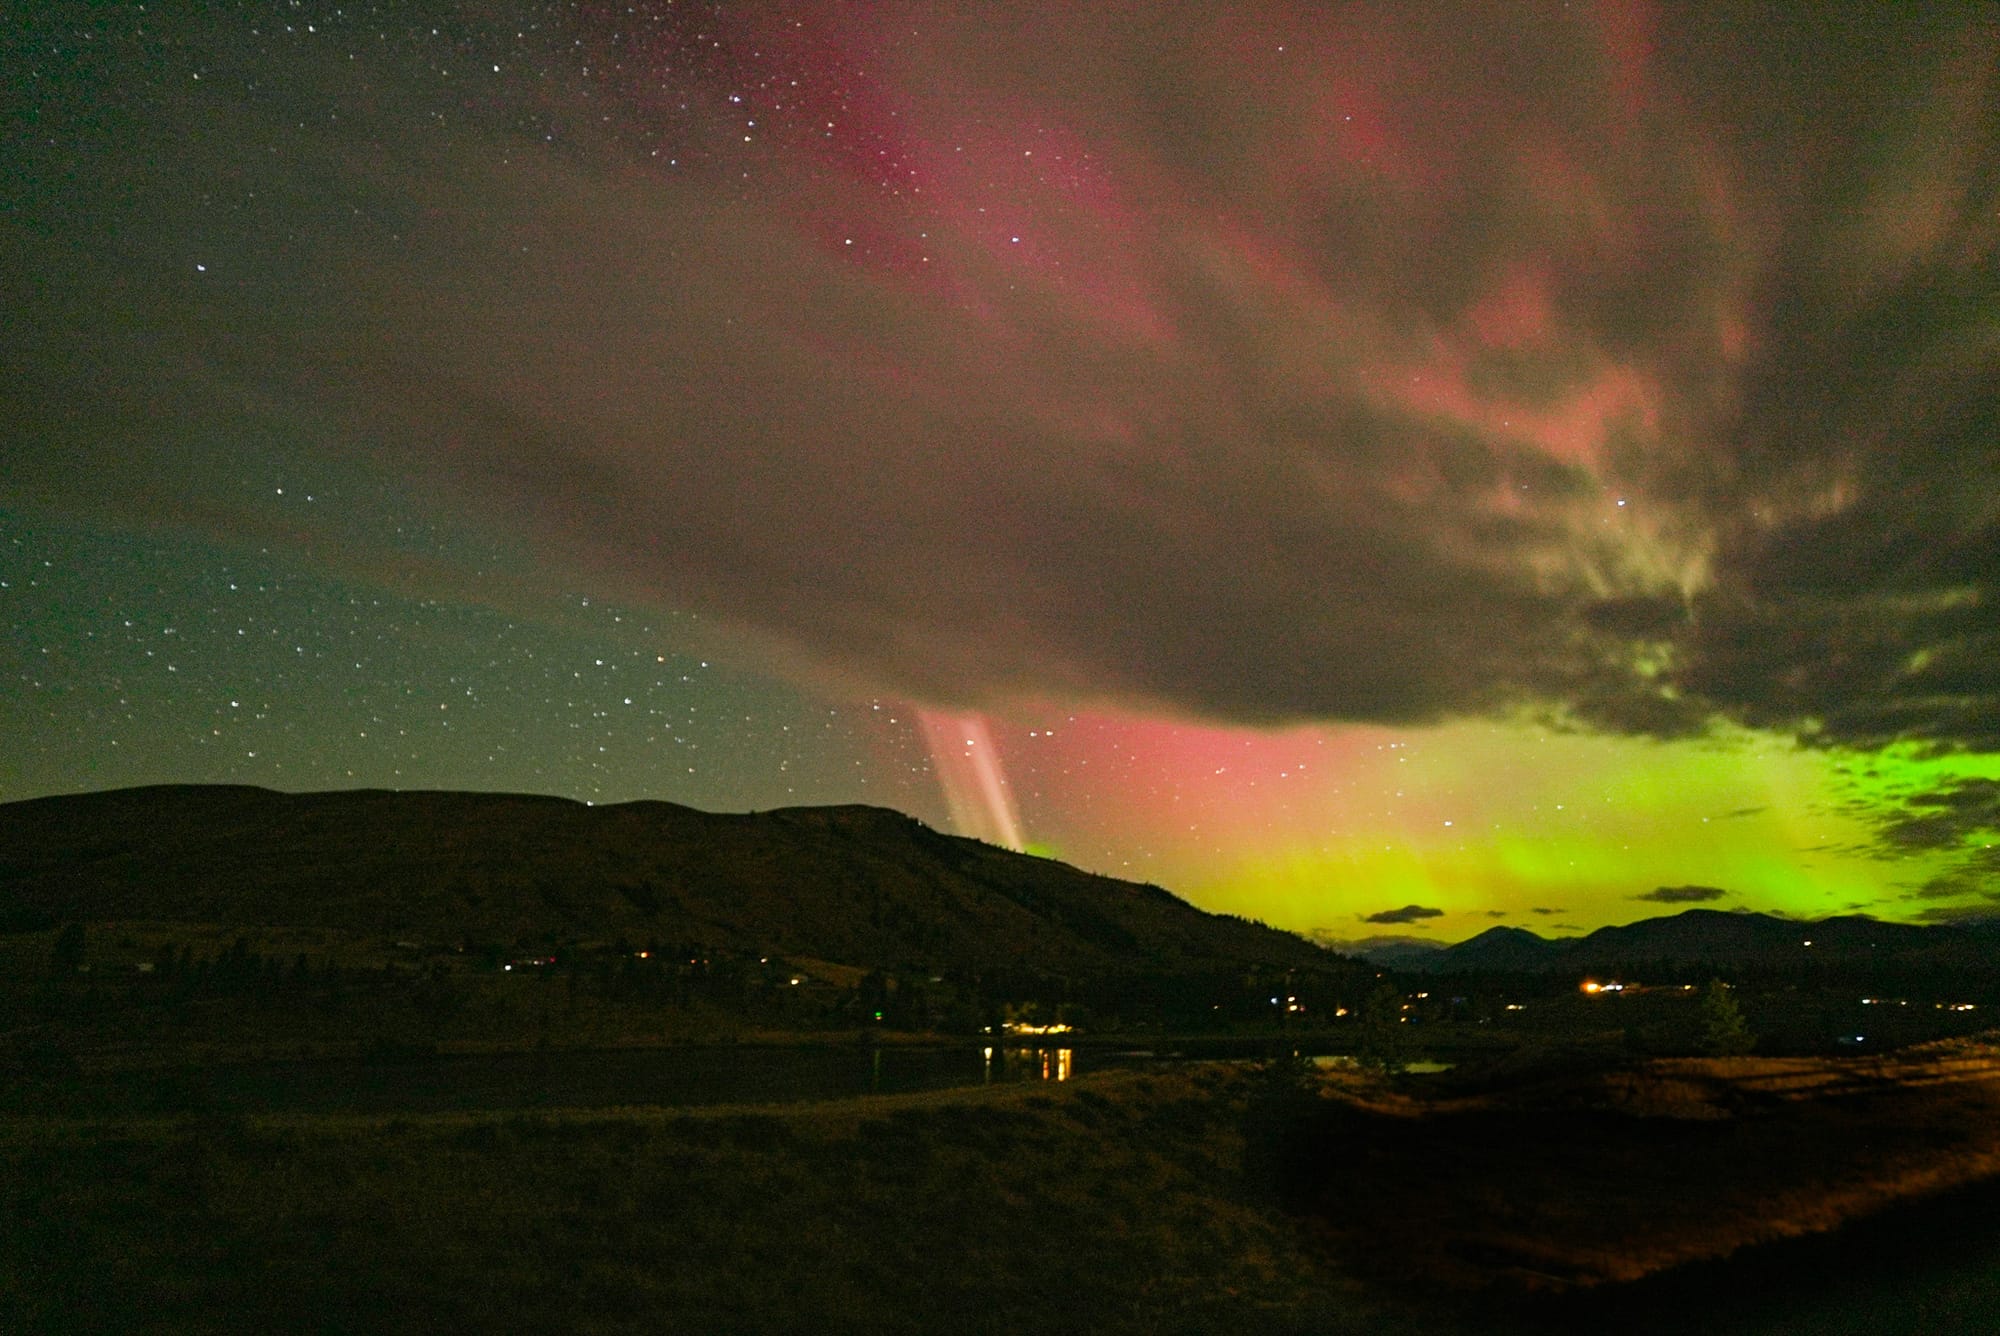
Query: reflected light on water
[1026,1064]
[1055,1064]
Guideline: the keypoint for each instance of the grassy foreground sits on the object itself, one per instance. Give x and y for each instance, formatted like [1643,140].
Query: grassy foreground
[1216,1199]
[1118,1204]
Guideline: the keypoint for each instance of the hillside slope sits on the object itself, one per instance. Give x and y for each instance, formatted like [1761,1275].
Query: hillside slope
[853,884]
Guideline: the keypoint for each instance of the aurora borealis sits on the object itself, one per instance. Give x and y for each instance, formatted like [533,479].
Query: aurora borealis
[1370,468]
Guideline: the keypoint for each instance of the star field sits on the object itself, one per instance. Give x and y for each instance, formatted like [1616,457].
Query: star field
[143,660]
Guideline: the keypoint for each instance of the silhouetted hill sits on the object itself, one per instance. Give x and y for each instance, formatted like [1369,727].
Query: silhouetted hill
[1715,938]
[1498,949]
[858,885]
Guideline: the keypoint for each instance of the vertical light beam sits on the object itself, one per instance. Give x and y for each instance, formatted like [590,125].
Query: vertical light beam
[968,769]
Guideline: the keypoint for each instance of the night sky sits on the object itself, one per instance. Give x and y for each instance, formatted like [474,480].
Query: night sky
[1379,469]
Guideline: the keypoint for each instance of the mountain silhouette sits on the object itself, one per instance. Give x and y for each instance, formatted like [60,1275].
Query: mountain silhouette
[1716,939]
[861,885]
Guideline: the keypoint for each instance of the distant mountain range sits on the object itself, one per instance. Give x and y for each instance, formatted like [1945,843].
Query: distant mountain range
[1696,937]
[857,885]
[1391,951]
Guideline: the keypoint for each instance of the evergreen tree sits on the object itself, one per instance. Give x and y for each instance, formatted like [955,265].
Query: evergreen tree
[1723,1031]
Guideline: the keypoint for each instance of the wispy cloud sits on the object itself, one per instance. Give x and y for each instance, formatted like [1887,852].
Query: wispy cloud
[1249,362]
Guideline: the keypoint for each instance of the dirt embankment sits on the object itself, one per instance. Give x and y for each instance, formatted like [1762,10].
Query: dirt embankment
[1556,1183]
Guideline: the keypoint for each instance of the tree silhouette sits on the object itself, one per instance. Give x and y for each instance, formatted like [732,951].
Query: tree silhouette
[1723,1031]
[1383,1045]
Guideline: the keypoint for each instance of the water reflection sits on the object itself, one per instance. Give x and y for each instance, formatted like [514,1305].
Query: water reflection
[1026,1064]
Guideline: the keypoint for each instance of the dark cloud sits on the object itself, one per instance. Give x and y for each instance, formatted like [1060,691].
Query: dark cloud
[1407,914]
[1984,914]
[1682,895]
[1975,878]
[1538,909]
[1496,913]
[1853,595]
[1254,362]
[1945,818]
[1952,824]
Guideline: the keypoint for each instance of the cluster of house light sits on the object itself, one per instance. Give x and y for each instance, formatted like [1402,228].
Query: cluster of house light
[1904,1002]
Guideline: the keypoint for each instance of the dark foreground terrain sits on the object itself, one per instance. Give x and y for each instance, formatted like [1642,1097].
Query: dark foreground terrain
[1549,1182]
[1220,1197]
